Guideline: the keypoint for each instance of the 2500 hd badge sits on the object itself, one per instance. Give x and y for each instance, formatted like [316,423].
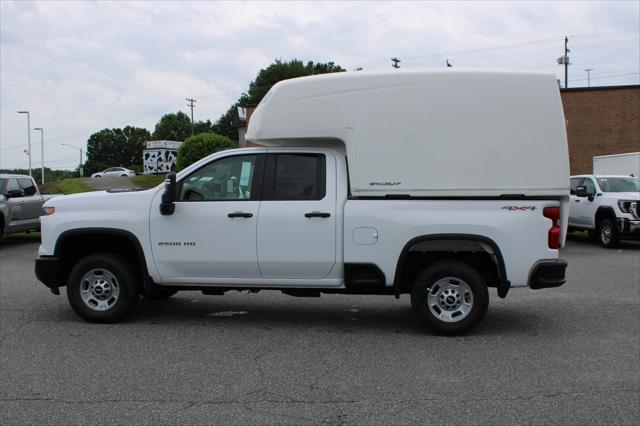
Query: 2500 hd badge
[177,243]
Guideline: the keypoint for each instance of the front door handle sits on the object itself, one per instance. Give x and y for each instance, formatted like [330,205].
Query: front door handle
[240,214]
[577,201]
[317,214]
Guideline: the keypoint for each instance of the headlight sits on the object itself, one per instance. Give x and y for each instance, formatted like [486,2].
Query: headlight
[629,206]
[46,211]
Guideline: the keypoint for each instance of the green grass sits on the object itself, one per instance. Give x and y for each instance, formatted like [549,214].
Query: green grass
[147,181]
[68,186]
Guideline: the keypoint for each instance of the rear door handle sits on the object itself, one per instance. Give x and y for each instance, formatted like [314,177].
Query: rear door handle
[317,214]
[240,214]
[577,201]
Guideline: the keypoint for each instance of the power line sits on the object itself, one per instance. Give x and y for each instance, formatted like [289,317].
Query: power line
[608,76]
[518,45]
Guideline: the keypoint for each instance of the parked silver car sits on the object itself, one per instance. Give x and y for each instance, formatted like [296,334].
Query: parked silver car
[20,204]
[114,171]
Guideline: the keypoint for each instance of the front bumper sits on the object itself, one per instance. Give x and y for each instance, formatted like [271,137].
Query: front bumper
[47,272]
[628,227]
[547,274]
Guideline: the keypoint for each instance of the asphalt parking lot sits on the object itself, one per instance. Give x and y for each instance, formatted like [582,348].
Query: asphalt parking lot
[569,355]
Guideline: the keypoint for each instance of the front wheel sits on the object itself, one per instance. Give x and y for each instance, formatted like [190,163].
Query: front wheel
[608,234]
[449,297]
[103,288]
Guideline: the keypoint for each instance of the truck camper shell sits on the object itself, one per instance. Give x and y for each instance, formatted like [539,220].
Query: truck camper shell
[430,133]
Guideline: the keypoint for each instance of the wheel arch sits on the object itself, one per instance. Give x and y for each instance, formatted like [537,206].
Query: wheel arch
[604,212]
[400,282]
[115,240]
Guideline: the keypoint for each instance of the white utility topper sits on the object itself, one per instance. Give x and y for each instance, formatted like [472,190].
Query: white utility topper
[435,184]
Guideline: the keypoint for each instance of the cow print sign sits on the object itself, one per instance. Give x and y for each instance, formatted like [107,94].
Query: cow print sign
[161,160]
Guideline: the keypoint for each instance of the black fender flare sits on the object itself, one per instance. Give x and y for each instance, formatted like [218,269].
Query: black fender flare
[503,283]
[108,231]
[603,211]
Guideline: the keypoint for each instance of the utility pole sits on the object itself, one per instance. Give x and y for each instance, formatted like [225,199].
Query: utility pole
[588,70]
[191,104]
[80,168]
[41,149]
[396,63]
[566,62]
[28,137]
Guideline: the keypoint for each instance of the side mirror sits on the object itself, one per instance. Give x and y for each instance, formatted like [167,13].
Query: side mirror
[581,191]
[15,193]
[167,205]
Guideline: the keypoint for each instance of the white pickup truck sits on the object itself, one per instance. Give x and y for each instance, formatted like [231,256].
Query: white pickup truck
[435,184]
[608,206]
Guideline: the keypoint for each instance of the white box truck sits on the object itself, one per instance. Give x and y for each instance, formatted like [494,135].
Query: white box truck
[617,164]
[439,185]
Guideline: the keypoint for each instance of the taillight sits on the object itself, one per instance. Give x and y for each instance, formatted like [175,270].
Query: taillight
[553,213]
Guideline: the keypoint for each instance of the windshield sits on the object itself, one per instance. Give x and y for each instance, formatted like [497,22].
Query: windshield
[619,184]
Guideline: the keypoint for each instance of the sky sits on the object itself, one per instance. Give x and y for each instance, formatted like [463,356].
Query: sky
[79,67]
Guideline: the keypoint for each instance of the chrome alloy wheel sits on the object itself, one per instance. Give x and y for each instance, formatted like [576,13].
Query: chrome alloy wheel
[99,289]
[450,299]
[605,233]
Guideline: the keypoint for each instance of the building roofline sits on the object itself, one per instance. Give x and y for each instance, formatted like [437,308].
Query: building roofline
[587,89]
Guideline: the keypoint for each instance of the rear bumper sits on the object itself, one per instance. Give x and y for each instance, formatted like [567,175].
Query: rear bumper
[547,274]
[47,272]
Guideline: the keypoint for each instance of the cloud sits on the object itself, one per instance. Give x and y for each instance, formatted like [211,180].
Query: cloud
[83,66]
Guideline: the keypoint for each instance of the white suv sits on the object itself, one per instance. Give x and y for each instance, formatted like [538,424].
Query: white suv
[606,206]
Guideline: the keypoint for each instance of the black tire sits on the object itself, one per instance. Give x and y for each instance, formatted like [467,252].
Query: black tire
[126,280]
[158,293]
[608,234]
[460,273]
[123,175]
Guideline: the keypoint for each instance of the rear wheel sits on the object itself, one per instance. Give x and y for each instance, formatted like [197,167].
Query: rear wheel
[608,234]
[103,288]
[449,297]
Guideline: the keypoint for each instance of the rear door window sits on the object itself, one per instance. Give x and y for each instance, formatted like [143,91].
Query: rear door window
[293,177]
[12,185]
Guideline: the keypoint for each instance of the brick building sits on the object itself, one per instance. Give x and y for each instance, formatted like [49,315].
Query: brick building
[601,121]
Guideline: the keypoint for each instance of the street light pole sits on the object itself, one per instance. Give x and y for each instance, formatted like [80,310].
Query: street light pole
[28,136]
[41,149]
[74,147]
[588,70]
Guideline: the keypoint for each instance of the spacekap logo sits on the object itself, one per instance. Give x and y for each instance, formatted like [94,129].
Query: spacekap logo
[519,208]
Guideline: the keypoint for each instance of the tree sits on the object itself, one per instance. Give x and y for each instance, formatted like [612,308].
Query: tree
[115,147]
[199,146]
[173,127]
[279,71]
[265,79]
[202,127]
